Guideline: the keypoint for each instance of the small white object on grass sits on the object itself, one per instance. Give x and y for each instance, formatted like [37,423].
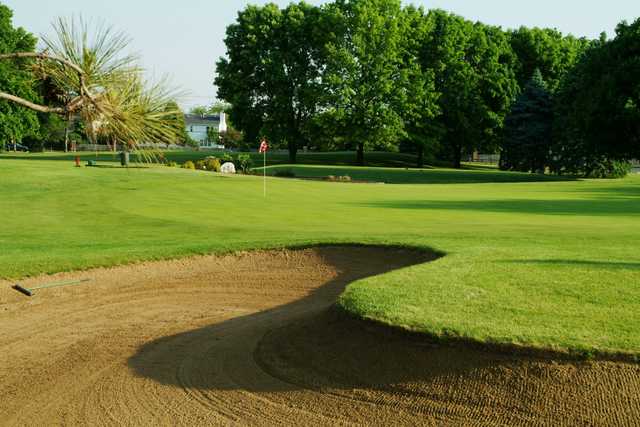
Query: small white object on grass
[228,168]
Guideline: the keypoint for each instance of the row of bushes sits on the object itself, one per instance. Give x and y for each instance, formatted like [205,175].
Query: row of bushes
[242,162]
[289,173]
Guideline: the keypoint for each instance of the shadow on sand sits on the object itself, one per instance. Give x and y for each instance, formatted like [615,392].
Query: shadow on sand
[309,352]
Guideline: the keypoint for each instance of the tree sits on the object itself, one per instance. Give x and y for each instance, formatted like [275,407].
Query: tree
[215,108]
[177,116]
[419,101]
[16,122]
[598,108]
[547,50]
[529,129]
[199,110]
[473,67]
[364,73]
[232,138]
[100,85]
[272,74]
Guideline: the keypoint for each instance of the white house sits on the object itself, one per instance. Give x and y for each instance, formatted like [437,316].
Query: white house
[200,127]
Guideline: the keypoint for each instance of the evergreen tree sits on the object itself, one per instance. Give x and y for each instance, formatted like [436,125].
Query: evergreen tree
[529,129]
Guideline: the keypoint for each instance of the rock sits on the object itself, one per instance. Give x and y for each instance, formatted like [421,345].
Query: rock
[228,168]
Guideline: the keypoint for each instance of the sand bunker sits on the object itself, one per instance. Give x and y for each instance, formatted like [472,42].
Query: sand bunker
[252,339]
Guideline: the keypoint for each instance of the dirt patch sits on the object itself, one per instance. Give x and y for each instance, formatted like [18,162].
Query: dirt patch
[252,339]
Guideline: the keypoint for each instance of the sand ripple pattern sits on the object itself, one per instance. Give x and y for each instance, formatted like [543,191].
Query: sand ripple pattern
[251,339]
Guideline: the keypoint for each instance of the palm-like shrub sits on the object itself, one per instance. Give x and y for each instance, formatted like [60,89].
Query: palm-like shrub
[96,81]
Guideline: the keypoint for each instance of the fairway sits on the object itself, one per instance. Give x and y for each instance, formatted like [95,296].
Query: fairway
[549,265]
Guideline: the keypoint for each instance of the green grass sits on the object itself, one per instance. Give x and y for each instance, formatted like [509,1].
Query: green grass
[343,158]
[544,264]
[472,174]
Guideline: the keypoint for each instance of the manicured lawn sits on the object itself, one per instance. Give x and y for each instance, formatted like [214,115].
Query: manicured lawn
[545,264]
[390,175]
[343,158]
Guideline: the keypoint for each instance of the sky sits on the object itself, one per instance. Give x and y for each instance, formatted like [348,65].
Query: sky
[184,39]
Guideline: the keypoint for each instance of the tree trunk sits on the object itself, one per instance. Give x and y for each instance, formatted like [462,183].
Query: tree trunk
[360,154]
[420,156]
[457,156]
[293,151]
[66,134]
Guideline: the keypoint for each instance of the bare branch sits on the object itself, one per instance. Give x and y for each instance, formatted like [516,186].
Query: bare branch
[31,105]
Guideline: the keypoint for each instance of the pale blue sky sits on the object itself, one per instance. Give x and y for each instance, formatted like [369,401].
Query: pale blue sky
[183,39]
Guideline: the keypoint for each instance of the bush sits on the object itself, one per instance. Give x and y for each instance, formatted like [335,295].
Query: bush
[200,165]
[189,165]
[244,163]
[171,164]
[332,178]
[285,173]
[608,169]
[212,164]
[226,158]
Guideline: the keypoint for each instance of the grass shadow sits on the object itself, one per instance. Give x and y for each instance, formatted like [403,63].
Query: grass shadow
[616,265]
[580,207]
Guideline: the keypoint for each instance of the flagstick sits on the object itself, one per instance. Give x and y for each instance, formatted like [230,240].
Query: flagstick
[265,173]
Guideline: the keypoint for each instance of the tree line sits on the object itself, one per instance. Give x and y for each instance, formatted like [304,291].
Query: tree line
[374,75]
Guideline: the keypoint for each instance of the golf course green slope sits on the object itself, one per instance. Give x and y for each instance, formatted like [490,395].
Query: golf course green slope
[551,265]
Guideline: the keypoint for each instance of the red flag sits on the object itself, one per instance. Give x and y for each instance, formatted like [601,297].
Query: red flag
[264,146]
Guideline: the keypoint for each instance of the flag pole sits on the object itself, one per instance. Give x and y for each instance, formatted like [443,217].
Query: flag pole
[264,169]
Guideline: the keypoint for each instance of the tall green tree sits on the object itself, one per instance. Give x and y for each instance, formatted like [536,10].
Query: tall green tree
[598,107]
[418,103]
[473,67]
[364,75]
[16,122]
[273,72]
[529,129]
[547,50]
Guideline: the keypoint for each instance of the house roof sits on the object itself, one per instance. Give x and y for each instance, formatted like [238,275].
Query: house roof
[198,120]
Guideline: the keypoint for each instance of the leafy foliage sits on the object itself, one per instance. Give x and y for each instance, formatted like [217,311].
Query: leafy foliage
[546,50]
[15,121]
[364,73]
[87,67]
[374,75]
[529,129]
[598,108]
[271,76]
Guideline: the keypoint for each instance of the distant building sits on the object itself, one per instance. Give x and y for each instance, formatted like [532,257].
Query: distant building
[204,129]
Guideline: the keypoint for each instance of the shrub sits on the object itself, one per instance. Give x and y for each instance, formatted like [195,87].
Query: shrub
[171,164]
[226,157]
[212,164]
[608,169]
[200,165]
[333,178]
[189,165]
[285,173]
[244,163]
